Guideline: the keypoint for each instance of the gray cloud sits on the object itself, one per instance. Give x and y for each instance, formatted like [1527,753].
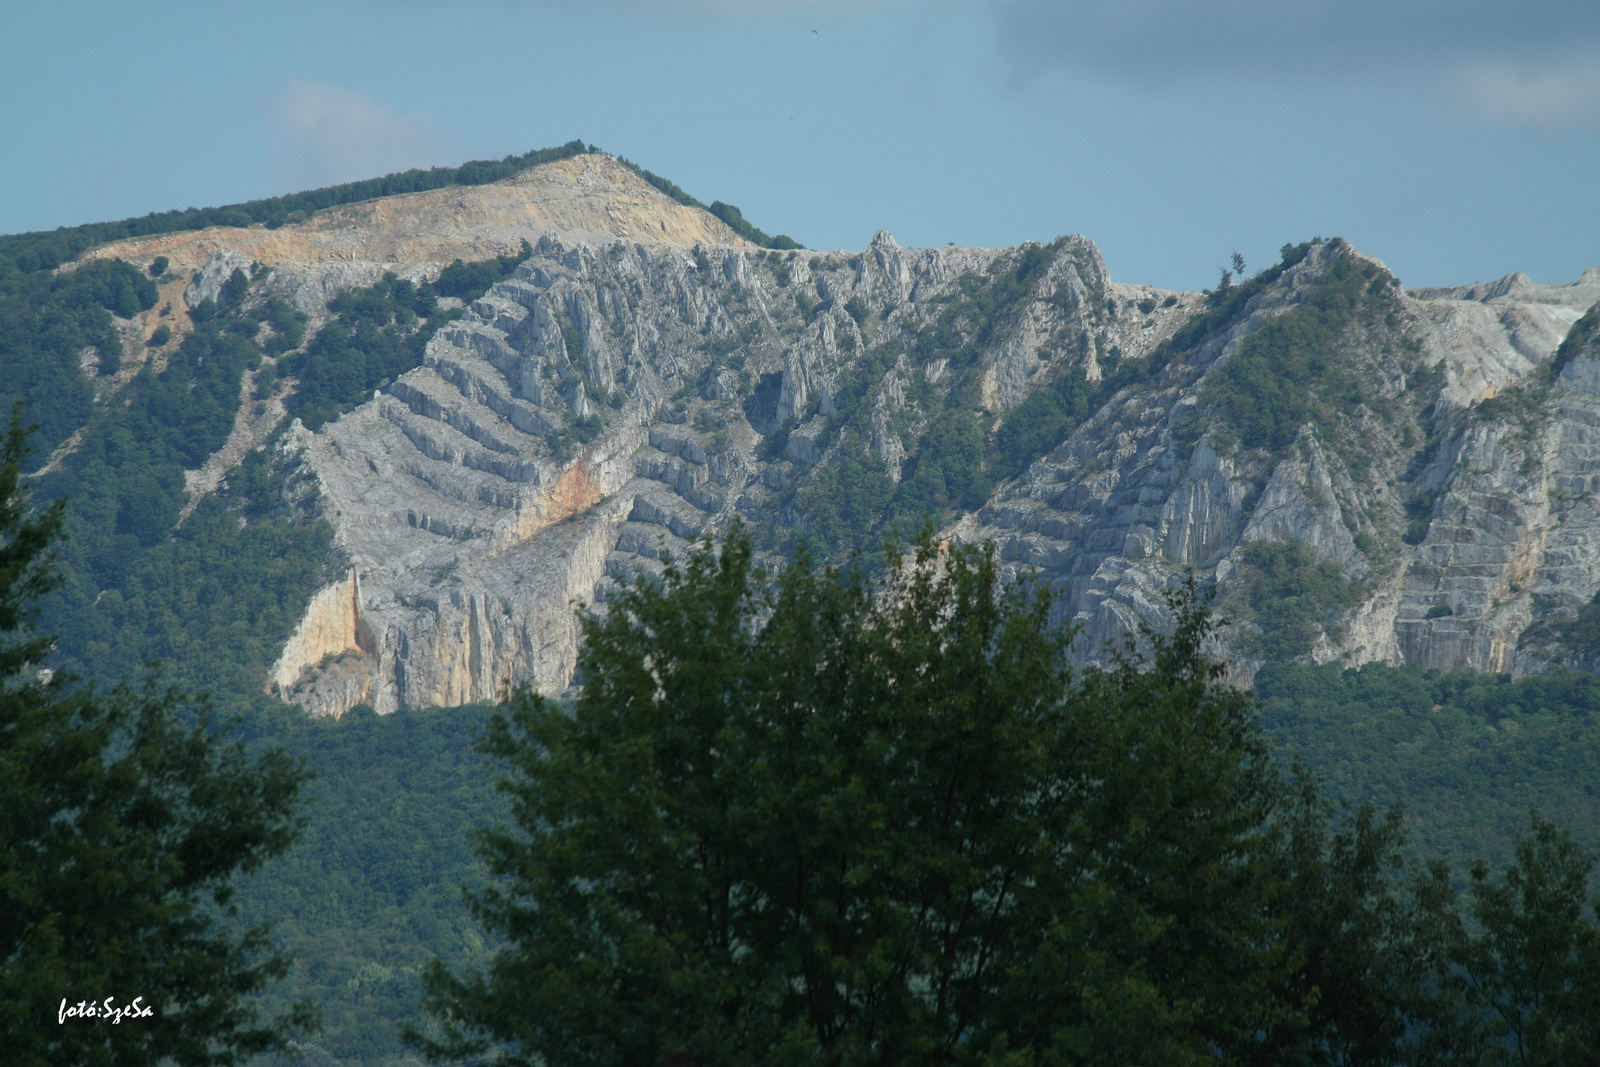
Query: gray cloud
[333,134]
[757,7]
[1554,96]
[1531,61]
[719,8]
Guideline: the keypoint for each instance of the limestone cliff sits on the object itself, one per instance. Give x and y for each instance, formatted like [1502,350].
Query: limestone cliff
[476,515]
[647,378]
[331,630]
[1456,513]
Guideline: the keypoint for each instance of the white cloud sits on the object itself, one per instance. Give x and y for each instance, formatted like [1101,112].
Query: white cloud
[333,134]
[1554,97]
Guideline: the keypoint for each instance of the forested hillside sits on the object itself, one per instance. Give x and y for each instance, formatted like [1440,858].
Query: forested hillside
[209,590]
[372,890]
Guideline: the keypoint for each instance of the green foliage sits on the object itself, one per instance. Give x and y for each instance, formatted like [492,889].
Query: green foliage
[160,336]
[372,891]
[1223,306]
[468,281]
[1292,595]
[234,289]
[158,266]
[288,328]
[213,603]
[571,339]
[846,498]
[671,188]
[1468,754]
[377,334]
[1286,373]
[1040,423]
[732,216]
[947,469]
[46,250]
[1522,403]
[839,819]
[127,815]
[1364,950]
[972,320]
[1524,980]
[740,225]
[565,442]
[213,598]
[46,320]
[857,310]
[1419,513]
[1581,336]
[1581,635]
[27,555]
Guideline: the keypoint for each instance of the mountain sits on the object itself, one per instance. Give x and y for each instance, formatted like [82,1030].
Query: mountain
[363,447]
[1369,473]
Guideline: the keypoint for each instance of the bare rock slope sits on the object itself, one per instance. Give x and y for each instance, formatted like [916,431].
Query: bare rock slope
[612,404]
[647,378]
[590,197]
[616,401]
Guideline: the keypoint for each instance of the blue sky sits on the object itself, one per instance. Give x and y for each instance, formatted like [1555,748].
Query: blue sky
[1456,141]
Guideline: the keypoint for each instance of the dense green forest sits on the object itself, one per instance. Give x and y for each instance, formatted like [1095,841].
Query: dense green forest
[46,321]
[1468,754]
[373,889]
[212,597]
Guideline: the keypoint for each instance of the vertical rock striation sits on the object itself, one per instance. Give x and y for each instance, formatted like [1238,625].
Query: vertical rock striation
[588,419]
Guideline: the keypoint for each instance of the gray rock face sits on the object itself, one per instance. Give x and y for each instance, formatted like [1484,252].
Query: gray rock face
[209,279]
[587,420]
[591,417]
[1113,515]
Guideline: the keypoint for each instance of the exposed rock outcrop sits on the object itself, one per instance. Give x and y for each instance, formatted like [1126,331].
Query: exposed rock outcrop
[475,512]
[648,378]
[482,494]
[589,197]
[332,630]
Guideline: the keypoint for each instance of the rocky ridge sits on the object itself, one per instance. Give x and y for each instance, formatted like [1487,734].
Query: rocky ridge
[473,517]
[647,378]
[1131,498]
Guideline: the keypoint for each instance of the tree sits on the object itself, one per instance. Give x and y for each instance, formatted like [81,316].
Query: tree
[127,816]
[1363,949]
[846,816]
[1523,987]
